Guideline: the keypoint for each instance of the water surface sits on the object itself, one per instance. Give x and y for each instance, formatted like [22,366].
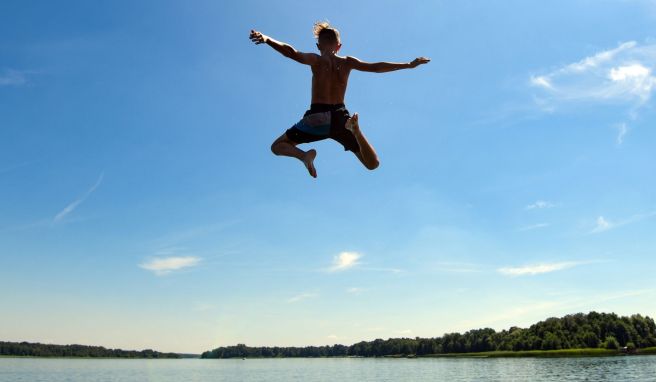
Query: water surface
[634,368]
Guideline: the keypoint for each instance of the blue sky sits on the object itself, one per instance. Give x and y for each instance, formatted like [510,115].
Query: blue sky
[140,206]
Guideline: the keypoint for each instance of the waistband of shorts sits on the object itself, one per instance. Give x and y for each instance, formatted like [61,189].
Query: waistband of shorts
[326,106]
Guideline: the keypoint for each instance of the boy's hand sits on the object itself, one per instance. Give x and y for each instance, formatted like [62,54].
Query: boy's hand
[257,37]
[419,61]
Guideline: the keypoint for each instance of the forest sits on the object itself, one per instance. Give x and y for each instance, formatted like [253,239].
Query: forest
[575,331]
[26,349]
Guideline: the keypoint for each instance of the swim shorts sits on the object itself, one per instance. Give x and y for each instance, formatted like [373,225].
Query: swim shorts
[324,121]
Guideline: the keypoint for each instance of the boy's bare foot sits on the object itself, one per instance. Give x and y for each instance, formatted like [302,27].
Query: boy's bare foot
[352,124]
[308,161]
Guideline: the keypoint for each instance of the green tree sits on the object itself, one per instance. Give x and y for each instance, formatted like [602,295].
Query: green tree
[611,343]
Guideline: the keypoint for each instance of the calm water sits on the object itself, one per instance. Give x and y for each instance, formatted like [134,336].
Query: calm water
[636,368]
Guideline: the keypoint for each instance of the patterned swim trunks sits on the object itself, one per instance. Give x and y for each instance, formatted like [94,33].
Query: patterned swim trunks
[324,121]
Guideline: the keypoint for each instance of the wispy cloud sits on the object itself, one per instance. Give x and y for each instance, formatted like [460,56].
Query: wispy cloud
[164,265]
[173,239]
[456,267]
[536,269]
[355,290]
[73,205]
[381,269]
[535,309]
[10,77]
[540,204]
[533,227]
[344,261]
[603,224]
[622,74]
[618,295]
[301,297]
[203,307]
[622,130]
[527,313]
[375,329]
[9,168]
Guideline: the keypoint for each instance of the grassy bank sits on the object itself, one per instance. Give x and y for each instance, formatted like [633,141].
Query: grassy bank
[651,350]
[592,352]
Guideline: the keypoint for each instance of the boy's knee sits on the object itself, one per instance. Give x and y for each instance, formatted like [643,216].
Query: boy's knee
[372,165]
[274,147]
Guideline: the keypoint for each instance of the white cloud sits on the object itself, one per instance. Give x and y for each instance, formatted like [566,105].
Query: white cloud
[165,265]
[629,72]
[620,75]
[73,205]
[602,225]
[354,290]
[540,204]
[536,268]
[11,77]
[541,81]
[301,297]
[533,227]
[622,130]
[345,260]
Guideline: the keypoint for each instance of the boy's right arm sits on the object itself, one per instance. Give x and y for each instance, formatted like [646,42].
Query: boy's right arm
[284,49]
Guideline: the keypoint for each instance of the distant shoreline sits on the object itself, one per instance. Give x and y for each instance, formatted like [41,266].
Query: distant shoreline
[79,357]
[39,350]
[574,335]
[564,353]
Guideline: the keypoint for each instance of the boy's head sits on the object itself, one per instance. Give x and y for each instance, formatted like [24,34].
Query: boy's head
[328,37]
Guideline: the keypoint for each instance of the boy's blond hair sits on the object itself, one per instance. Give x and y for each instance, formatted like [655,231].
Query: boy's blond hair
[323,30]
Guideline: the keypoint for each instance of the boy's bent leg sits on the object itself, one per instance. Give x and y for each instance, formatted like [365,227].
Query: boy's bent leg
[286,147]
[367,154]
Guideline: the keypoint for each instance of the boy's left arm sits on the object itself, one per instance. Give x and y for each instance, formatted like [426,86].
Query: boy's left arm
[382,67]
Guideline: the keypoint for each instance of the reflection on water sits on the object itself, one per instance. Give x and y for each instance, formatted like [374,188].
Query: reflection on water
[634,368]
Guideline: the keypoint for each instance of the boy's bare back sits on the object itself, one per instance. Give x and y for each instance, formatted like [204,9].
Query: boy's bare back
[329,79]
[330,76]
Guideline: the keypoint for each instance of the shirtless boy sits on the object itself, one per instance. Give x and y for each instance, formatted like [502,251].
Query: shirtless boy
[328,117]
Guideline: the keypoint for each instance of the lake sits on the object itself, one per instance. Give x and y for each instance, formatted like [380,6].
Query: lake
[634,368]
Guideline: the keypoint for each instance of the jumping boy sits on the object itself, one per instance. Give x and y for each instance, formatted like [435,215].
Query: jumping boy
[328,117]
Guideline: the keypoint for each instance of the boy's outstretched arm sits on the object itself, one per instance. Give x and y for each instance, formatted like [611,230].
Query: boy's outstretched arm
[382,67]
[284,49]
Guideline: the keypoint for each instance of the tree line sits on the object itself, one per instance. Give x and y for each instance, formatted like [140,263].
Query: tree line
[47,350]
[576,331]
